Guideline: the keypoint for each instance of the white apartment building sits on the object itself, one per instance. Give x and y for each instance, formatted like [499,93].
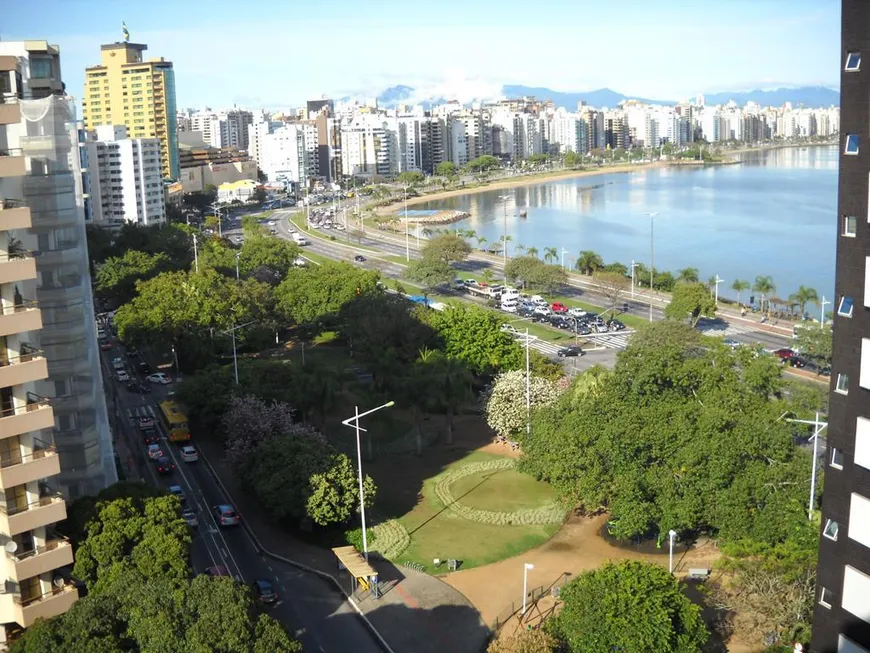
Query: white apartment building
[368,147]
[256,132]
[528,135]
[125,178]
[568,132]
[410,138]
[289,153]
[227,128]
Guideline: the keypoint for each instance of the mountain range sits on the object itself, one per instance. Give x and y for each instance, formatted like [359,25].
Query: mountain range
[808,96]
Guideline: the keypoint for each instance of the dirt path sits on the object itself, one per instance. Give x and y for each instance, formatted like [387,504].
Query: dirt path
[575,548]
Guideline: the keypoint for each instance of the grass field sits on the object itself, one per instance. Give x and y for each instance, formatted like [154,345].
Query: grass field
[437,533]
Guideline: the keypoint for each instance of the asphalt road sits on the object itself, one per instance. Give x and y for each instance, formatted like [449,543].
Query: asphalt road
[308,605]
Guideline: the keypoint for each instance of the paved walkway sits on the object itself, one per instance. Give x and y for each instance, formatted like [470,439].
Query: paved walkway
[417,613]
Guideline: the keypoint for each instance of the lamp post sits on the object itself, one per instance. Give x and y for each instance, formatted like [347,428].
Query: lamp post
[175,356]
[716,284]
[633,266]
[237,266]
[526,567]
[672,535]
[819,427]
[562,257]
[195,255]
[217,210]
[651,262]
[354,423]
[504,242]
[407,234]
[232,332]
[528,341]
[822,304]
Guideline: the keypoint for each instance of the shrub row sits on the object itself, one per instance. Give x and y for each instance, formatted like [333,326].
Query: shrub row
[391,538]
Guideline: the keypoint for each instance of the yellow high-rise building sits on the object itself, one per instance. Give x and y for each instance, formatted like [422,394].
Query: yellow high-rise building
[126,90]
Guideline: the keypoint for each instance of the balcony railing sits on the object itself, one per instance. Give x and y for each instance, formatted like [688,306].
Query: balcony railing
[12,204]
[52,603]
[29,407]
[41,502]
[18,307]
[44,449]
[56,542]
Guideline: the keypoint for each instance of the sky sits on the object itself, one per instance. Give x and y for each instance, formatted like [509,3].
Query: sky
[278,53]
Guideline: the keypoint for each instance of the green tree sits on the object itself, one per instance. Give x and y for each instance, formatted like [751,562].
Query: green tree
[612,284]
[573,159]
[274,254]
[99,244]
[551,254]
[506,401]
[628,606]
[446,169]
[259,195]
[816,343]
[482,163]
[447,248]
[688,275]
[588,262]
[739,286]
[117,276]
[314,294]
[532,251]
[616,266]
[472,335]
[334,495]
[803,296]
[411,178]
[765,287]
[430,273]
[534,273]
[692,300]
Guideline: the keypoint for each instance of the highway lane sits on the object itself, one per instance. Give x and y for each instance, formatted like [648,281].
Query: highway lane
[308,604]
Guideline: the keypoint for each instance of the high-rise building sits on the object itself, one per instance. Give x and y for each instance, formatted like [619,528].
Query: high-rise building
[842,613]
[368,147]
[54,437]
[124,178]
[124,89]
[290,153]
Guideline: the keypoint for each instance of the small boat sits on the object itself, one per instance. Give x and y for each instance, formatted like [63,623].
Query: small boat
[524,213]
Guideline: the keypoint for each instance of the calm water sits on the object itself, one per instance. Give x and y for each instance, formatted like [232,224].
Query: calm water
[774,214]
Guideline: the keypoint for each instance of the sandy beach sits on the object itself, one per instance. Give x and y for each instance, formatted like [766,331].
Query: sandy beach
[520,180]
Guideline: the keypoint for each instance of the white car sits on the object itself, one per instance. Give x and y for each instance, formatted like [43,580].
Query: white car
[543,310]
[159,377]
[537,300]
[271,223]
[189,454]
[510,293]
[118,363]
[300,262]
[154,451]
[576,312]
[509,308]
[122,376]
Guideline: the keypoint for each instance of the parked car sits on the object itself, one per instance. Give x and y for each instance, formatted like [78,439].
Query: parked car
[159,377]
[190,517]
[559,307]
[164,465]
[155,452]
[576,312]
[731,342]
[797,361]
[189,454]
[264,591]
[537,300]
[784,354]
[105,345]
[226,515]
[509,307]
[572,350]
[543,311]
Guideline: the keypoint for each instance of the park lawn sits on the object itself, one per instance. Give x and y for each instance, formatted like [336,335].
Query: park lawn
[437,533]
[502,490]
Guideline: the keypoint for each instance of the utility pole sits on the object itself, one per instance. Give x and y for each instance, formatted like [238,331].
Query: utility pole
[407,233]
[195,255]
[651,262]
[716,284]
[822,304]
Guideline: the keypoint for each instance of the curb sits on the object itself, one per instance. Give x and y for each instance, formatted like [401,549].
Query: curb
[299,565]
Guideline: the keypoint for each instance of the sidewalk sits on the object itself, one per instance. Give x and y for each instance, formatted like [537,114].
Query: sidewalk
[417,613]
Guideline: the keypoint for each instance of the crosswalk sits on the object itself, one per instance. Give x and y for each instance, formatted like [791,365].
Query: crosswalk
[135,412]
[730,330]
[611,340]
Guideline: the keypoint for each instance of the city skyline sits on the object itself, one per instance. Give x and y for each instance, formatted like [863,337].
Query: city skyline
[217,61]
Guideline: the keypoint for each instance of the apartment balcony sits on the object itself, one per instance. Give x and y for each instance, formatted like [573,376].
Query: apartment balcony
[32,417]
[59,600]
[8,63]
[18,469]
[12,163]
[10,112]
[42,512]
[18,266]
[20,318]
[53,554]
[14,215]
[24,368]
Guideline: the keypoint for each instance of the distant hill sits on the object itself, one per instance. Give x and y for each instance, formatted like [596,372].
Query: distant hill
[809,96]
[603,97]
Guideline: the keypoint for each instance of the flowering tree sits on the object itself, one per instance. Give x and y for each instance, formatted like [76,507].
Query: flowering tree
[506,400]
[249,421]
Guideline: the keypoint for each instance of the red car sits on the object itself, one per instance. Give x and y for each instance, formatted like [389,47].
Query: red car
[784,354]
[559,307]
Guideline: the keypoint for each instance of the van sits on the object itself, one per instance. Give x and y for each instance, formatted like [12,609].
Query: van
[510,293]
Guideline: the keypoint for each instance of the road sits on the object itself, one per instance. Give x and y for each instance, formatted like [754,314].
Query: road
[308,605]
[374,248]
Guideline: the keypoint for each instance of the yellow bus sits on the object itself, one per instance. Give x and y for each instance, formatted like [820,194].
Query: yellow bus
[175,421]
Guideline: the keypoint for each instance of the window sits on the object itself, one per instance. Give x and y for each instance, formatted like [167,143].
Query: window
[862,442]
[853,62]
[846,307]
[40,67]
[842,384]
[859,519]
[852,143]
[831,530]
[836,458]
[825,597]
[864,379]
[850,225]
[856,589]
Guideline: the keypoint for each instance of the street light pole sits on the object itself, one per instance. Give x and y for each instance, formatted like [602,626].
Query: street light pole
[562,257]
[528,387]
[195,255]
[633,266]
[651,262]
[237,266]
[362,505]
[504,240]
[822,304]
[232,333]
[716,283]
[819,427]
[526,567]
[407,235]
[672,534]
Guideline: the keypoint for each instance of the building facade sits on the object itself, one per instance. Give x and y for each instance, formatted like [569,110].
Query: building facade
[290,153]
[842,613]
[124,89]
[124,178]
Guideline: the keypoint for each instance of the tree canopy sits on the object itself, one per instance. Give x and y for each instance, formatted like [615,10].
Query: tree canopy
[313,294]
[117,276]
[816,343]
[534,273]
[447,248]
[628,606]
[430,273]
[690,300]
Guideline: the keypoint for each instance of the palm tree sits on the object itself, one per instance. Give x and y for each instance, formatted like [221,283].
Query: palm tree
[426,231]
[504,240]
[519,249]
[588,262]
[689,275]
[469,234]
[764,286]
[739,286]
[804,296]
[451,386]
[481,241]
[551,254]
[532,251]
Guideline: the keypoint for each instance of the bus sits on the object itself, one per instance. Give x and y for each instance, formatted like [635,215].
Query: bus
[175,421]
